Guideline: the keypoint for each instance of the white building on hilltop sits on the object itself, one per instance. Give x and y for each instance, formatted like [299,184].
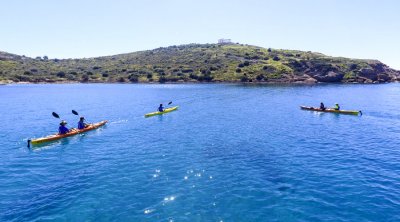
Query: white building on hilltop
[224,41]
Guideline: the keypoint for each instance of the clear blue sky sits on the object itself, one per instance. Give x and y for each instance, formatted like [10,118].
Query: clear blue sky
[88,28]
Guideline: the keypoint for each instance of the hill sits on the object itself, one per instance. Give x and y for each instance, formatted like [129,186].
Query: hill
[198,63]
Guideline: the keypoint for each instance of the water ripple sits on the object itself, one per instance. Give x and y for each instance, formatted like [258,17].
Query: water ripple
[231,153]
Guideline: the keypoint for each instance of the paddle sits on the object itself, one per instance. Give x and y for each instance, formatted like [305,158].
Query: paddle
[55,115]
[168,104]
[75,112]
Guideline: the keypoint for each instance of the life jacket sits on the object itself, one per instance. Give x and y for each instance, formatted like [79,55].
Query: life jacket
[81,125]
[63,130]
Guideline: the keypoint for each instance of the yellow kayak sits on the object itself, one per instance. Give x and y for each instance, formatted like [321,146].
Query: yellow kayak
[167,110]
[71,133]
[328,110]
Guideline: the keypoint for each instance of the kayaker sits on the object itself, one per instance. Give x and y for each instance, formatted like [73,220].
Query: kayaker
[322,106]
[337,107]
[161,108]
[63,129]
[81,123]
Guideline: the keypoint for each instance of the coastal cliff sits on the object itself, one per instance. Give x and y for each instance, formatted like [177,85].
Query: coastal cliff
[198,63]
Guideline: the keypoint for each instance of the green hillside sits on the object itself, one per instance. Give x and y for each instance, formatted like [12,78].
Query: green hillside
[198,63]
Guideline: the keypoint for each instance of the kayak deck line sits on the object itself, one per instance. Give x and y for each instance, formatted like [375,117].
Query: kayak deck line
[167,110]
[328,110]
[73,132]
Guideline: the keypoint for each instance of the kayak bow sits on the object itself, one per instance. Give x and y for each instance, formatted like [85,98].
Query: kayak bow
[350,112]
[167,110]
[71,133]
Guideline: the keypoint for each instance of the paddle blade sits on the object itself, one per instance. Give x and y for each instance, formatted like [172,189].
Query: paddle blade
[55,115]
[170,103]
[75,112]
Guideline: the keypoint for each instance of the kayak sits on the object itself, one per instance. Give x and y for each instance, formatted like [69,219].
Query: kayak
[350,112]
[167,110]
[71,133]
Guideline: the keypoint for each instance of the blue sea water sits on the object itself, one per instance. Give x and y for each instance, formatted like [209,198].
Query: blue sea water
[230,153]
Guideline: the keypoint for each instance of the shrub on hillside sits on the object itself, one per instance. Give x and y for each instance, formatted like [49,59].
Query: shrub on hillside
[193,76]
[159,71]
[187,70]
[213,68]
[70,77]
[162,79]
[133,78]
[246,63]
[276,58]
[208,78]
[353,66]
[244,78]
[238,70]
[260,77]
[61,74]
[85,78]
[22,78]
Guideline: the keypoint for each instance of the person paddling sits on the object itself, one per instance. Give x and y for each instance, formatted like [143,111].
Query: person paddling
[161,108]
[322,106]
[337,107]
[81,123]
[63,129]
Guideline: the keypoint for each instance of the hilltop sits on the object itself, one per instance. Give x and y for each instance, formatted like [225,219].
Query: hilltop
[198,63]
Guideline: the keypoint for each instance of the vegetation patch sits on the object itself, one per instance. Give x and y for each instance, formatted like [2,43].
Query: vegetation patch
[195,63]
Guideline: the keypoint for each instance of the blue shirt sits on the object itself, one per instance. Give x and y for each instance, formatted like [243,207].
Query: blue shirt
[81,125]
[63,130]
[161,109]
